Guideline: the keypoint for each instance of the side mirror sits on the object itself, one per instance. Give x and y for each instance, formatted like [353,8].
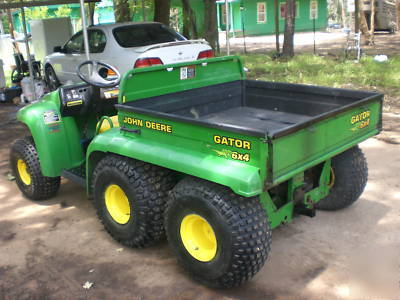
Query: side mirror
[59,49]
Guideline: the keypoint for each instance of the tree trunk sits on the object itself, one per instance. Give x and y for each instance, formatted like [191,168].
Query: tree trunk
[1,23]
[276,8]
[210,23]
[356,16]
[11,27]
[162,11]
[143,11]
[121,11]
[189,21]
[372,24]
[343,13]
[92,6]
[288,40]
[364,25]
[398,14]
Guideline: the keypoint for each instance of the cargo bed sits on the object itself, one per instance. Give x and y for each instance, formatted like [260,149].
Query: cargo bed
[259,108]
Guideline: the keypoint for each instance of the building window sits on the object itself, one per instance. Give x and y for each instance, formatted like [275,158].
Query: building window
[261,12]
[283,9]
[313,10]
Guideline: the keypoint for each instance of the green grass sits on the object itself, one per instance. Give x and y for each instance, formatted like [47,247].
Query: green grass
[328,71]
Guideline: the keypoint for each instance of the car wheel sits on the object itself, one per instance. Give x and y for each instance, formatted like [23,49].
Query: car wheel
[51,78]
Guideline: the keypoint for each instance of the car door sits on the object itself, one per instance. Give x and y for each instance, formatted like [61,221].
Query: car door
[70,59]
[97,45]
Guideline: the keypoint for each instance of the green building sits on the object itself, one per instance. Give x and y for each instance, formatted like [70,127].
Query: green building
[257,17]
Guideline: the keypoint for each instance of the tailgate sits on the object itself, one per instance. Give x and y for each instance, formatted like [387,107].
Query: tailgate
[323,137]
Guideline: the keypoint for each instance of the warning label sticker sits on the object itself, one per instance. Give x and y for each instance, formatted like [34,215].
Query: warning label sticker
[50,117]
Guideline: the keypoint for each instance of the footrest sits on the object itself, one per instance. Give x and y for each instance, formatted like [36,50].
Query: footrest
[77,175]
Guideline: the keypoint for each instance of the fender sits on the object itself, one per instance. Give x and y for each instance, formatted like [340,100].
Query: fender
[57,139]
[242,178]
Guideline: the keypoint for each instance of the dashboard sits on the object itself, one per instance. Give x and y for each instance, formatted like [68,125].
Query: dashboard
[79,99]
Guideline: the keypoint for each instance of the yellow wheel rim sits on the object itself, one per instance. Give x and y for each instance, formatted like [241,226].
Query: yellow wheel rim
[117,204]
[23,172]
[198,237]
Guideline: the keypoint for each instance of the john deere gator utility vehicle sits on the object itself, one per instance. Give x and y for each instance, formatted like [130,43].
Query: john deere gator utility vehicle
[198,152]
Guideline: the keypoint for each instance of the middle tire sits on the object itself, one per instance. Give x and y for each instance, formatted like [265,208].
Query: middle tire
[220,238]
[130,198]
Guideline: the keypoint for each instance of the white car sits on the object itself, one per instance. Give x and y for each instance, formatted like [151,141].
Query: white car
[124,46]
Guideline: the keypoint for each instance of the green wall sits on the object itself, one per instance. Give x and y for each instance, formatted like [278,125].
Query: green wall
[249,15]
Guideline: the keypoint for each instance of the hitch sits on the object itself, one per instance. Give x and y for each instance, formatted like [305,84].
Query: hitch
[305,211]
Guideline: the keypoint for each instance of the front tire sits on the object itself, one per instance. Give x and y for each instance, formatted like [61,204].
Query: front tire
[350,175]
[51,78]
[130,198]
[220,238]
[26,168]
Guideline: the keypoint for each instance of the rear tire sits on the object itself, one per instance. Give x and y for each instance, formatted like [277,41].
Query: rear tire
[220,238]
[26,168]
[130,198]
[350,177]
[51,78]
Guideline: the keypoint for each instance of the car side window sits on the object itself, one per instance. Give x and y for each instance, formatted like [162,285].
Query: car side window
[97,41]
[75,44]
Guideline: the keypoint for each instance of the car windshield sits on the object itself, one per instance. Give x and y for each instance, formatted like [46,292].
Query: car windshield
[139,35]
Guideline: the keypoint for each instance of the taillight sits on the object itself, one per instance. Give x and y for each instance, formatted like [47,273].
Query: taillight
[205,54]
[147,62]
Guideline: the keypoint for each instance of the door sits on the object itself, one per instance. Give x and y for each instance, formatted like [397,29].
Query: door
[74,54]
[65,63]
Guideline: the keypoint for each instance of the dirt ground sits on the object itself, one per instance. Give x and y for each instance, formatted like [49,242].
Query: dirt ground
[48,250]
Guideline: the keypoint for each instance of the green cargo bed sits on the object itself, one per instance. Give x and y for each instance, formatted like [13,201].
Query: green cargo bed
[304,125]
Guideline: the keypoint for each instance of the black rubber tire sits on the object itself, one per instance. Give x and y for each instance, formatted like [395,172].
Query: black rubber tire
[146,187]
[240,225]
[51,78]
[41,187]
[351,175]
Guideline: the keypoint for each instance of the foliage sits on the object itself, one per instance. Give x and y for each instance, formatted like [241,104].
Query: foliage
[63,11]
[37,13]
[4,20]
[328,71]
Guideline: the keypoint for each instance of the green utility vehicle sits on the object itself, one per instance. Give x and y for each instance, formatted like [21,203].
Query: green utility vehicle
[198,152]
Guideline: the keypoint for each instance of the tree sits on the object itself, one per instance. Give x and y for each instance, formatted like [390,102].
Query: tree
[364,25]
[37,13]
[1,23]
[122,11]
[276,15]
[189,21]
[288,39]
[162,11]
[63,11]
[91,8]
[372,24]
[210,23]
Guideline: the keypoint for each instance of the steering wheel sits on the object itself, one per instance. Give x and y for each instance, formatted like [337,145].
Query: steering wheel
[94,78]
